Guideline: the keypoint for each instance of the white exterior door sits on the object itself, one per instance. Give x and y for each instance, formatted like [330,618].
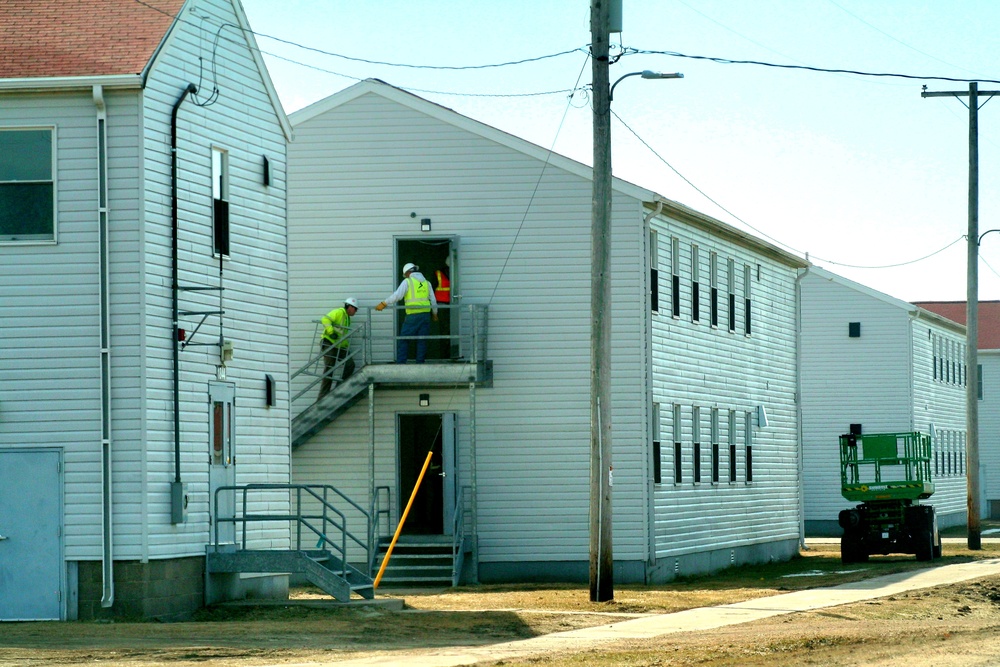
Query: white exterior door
[222,470]
[449,471]
[31,569]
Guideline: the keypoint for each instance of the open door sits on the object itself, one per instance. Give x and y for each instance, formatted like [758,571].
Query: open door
[433,507]
[437,260]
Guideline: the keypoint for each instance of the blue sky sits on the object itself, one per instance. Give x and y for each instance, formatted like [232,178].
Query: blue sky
[854,170]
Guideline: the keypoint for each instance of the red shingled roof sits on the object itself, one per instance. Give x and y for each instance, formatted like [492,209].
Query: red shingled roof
[67,38]
[988,322]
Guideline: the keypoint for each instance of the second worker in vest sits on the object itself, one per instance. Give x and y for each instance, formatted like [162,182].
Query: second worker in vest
[336,343]
[415,292]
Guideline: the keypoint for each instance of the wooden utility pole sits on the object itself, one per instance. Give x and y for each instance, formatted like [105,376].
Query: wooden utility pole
[972,317]
[601,560]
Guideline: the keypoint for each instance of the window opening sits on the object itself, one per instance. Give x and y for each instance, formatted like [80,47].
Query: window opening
[654,272]
[714,426]
[220,202]
[748,444]
[731,285]
[695,283]
[731,439]
[27,187]
[746,299]
[678,470]
[675,286]
[713,277]
[657,472]
[696,444]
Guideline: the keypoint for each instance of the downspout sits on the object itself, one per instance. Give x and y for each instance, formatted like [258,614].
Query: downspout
[800,465]
[648,340]
[176,488]
[107,495]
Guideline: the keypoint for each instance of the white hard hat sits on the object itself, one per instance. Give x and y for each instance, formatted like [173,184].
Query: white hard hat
[409,267]
[351,302]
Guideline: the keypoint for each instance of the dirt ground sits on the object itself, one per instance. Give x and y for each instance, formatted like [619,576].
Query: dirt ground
[946,626]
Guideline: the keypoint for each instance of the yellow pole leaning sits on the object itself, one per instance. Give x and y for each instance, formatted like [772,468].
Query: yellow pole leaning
[402,520]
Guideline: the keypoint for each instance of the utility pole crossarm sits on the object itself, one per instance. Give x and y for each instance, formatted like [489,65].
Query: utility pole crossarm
[959,93]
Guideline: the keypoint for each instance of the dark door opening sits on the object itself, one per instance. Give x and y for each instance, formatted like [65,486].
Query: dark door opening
[435,259]
[417,435]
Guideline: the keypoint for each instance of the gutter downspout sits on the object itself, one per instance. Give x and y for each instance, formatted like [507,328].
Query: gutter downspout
[103,252]
[648,340]
[800,463]
[176,487]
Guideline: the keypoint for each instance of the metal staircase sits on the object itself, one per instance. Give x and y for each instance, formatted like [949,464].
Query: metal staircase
[313,515]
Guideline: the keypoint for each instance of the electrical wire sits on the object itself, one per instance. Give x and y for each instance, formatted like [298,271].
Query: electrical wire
[893,38]
[765,235]
[548,157]
[825,70]
[383,63]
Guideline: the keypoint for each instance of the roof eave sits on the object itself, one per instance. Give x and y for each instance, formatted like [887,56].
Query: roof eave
[689,215]
[61,83]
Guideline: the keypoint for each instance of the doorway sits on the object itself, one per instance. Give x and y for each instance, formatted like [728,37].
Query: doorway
[434,505]
[31,549]
[436,260]
[222,469]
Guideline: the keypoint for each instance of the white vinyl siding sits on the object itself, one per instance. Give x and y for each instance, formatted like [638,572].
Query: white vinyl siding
[892,359]
[356,171]
[693,365]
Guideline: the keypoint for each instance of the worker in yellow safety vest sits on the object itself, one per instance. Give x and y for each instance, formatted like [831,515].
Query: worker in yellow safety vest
[335,343]
[421,306]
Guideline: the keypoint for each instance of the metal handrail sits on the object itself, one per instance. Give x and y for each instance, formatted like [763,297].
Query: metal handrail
[327,523]
[374,339]
[458,536]
[315,363]
[377,511]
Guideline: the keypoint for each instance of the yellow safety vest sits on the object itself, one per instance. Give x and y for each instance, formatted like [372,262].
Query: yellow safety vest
[417,298]
[336,325]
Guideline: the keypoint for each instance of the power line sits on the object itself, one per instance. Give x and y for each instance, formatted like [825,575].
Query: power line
[765,235]
[825,70]
[893,38]
[367,61]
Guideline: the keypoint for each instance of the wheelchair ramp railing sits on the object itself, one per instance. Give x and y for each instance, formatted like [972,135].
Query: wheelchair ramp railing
[320,528]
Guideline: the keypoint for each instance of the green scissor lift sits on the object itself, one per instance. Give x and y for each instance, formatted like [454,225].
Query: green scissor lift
[887,473]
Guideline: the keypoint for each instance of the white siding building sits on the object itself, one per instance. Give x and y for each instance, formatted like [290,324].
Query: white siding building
[378,178]
[109,449]
[988,376]
[871,360]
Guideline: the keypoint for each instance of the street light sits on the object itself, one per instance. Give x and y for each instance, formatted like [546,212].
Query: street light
[645,74]
[601,557]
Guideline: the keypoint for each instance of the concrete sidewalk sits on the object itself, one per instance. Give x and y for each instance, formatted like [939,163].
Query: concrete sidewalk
[691,620]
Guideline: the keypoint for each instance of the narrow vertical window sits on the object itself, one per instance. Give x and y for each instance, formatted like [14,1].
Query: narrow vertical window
[696,445]
[657,473]
[220,202]
[746,299]
[678,469]
[731,286]
[731,440]
[748,443]
[713,278]
[934,351]
[654,272]
[979,381]
[695,284]
[714,426]
[675,284]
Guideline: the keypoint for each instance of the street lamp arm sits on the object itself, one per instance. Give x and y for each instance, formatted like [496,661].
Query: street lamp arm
[645,74]
[980,241]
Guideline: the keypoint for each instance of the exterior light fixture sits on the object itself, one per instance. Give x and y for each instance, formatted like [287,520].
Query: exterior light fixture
[425,224]
[425,400]
[645,74]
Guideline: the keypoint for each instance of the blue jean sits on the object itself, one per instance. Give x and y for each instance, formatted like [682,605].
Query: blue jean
[415,324]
